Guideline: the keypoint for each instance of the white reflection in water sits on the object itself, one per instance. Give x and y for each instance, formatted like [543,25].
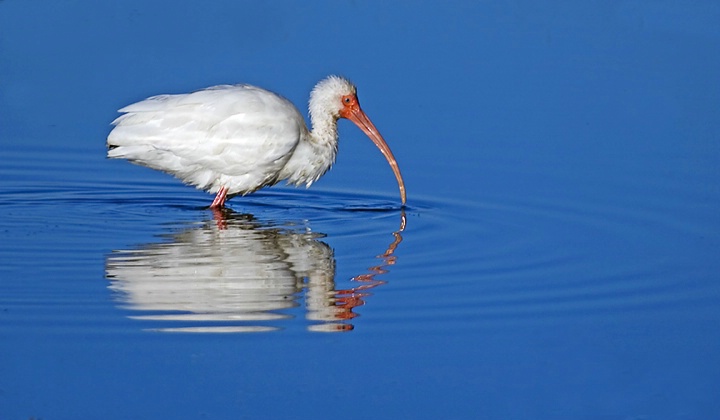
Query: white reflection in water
[237,272]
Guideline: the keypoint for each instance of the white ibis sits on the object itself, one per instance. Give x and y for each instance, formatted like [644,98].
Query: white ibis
[235,139]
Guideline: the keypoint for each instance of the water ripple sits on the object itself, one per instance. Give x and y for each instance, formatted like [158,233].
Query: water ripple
[317,259]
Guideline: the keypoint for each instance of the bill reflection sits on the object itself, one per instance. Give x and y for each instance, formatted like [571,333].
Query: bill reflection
[236,274]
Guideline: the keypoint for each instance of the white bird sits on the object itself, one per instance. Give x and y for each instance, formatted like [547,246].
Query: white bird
[235,139]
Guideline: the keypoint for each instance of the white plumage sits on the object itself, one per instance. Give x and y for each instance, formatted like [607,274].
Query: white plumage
[235,139]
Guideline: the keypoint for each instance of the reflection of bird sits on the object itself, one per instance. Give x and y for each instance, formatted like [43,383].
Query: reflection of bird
[236,139]
[235,273]
[231,269]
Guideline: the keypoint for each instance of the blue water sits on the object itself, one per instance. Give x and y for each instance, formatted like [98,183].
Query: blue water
[558,257]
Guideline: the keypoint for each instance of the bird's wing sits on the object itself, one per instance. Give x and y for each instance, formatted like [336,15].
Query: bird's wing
[239,133]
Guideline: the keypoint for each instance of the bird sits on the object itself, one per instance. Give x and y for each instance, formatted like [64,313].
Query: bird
[233,140]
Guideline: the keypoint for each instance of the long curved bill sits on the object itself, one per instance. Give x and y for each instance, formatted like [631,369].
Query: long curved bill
[360,119]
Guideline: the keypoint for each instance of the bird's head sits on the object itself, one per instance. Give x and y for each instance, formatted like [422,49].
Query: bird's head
[333,95]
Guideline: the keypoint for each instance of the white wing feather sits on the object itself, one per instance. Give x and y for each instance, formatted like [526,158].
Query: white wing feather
[239,136]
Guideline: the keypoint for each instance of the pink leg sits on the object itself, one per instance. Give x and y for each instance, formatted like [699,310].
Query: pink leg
[219,201]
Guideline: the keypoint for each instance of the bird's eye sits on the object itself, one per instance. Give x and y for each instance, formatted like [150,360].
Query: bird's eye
[346,100]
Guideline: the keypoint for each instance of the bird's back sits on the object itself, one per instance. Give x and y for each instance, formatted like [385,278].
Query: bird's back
[239,136]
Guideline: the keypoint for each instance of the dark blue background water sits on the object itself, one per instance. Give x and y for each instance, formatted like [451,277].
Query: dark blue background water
[560,253]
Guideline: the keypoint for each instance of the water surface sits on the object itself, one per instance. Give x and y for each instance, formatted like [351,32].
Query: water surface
[557,257]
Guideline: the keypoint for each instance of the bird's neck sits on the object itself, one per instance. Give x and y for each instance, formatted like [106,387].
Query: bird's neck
[324,129]
[315,153]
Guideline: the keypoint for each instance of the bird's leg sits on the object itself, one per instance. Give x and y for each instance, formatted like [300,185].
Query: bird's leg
[219,201]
